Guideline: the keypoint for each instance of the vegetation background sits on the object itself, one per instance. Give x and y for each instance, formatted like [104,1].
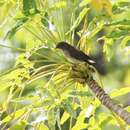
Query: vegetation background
[36,92]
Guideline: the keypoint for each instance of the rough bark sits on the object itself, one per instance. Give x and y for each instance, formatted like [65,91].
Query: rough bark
[107,101]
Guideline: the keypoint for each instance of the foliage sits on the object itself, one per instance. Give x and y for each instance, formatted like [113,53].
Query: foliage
[38,91]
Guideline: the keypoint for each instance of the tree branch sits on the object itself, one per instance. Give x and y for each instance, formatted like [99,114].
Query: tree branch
[107,101]
[82,73]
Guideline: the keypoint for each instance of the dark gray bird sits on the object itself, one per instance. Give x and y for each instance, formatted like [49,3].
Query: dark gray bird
[76,56]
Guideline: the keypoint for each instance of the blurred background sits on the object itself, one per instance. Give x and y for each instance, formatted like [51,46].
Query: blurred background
[29,32]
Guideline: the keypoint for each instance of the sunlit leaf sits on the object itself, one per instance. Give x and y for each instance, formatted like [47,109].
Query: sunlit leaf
[16,27]
[42,126]
[58,17]
[19,126]
[79,19]
[118,33]
[43,78]
[15,115]
[81,117]
[128,108]
[104,118]
[120,92]
[107,48]
[51,118]
[125,41]
[59,4]
[95,30]
[64,117]
[120,22]
[84,2]
[69,108]
[79,126]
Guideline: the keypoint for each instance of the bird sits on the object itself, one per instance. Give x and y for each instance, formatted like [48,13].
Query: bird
[75,55]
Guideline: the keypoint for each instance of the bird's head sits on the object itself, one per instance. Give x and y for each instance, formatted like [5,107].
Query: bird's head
[63,46]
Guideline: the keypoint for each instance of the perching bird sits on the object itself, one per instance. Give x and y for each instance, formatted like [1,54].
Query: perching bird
[76,56]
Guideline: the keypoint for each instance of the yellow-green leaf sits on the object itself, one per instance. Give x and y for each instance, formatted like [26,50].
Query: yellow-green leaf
[42,127]
[79,19]
[14,115]
[84,2]
[124,41]
[120,92]
[64,117]
[100,4]
[80,127]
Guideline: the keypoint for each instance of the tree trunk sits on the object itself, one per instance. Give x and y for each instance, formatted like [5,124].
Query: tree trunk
[107,101]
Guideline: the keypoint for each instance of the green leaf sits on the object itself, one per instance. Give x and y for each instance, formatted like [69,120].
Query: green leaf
[124,4]
[19,126]
[96,29]
[4,85]
[51,118]
[79,19]
[14,115]
[16,27]
[58,5]
[80,121]
[81,117]
[29,7]
[2,2]
[42,126]
[64,118]
[58,17]
[128,108]
[107,48]
[118,33]
[80,126]
[84,3]
[104,118]
[121,22]
[23,61]
[67,104]
[80,93]
[58,118]
[124,41]
[120,92]
[92,121]
[120,7]
[32,45]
